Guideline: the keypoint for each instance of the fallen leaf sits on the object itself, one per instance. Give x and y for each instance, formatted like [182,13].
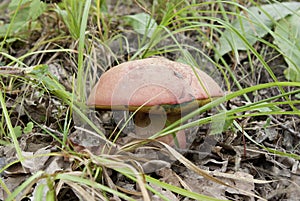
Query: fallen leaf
[36,161]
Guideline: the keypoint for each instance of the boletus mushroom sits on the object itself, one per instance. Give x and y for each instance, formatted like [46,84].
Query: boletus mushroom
[161,90]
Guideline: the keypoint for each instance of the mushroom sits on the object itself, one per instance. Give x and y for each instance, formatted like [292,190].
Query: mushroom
[159,89]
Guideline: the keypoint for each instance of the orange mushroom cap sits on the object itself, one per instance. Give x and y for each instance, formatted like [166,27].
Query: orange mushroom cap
[159,82]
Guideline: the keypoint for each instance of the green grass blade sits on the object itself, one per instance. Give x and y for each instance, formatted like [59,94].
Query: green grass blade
[10,127]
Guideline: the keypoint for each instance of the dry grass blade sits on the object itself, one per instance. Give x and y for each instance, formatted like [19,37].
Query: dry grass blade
[231,176]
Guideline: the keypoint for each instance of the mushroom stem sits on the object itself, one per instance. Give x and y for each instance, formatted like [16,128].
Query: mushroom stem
[147,124]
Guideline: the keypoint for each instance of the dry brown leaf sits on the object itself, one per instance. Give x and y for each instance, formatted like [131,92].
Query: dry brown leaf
[36,161]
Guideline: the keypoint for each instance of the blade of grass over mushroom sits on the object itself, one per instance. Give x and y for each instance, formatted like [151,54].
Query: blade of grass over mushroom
[265,107]
[171,128]
[262,105]
[227,115]
[265,114]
